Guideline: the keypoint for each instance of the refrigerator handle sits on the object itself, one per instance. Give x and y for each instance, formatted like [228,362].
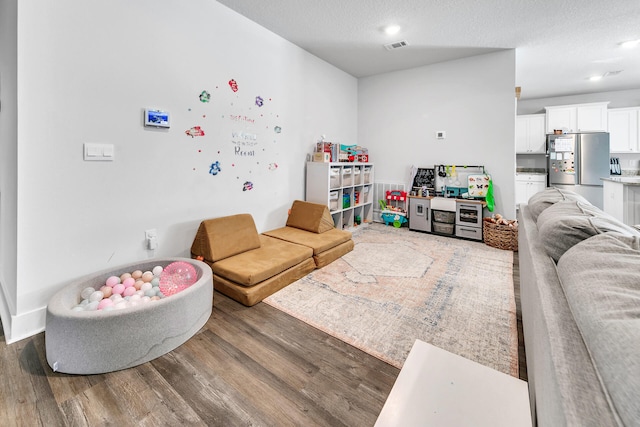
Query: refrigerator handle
[577,153]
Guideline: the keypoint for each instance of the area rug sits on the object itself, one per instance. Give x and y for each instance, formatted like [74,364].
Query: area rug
[397,286]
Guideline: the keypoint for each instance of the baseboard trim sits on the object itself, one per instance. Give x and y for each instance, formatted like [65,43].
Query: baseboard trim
[24,325]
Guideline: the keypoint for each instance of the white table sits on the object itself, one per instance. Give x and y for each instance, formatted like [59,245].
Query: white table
[438,388]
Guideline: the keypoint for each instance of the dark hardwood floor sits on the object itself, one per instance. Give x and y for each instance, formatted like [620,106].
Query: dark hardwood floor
[247,366]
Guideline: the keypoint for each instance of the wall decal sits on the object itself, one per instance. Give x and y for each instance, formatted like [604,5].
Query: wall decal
[215,168]
[248,185]
[194,131]
[277,129]
[273,166]
[259,101]
[205,96]
[234,85]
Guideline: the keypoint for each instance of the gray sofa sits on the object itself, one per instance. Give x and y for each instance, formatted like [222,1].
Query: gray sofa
[580,295]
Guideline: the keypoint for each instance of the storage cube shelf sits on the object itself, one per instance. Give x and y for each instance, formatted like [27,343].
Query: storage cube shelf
[346,188]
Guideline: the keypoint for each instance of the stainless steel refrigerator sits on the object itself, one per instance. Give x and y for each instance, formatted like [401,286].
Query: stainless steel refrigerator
[577,161]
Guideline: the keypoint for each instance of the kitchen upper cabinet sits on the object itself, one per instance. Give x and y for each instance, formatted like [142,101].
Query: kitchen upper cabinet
[530,134]
[624,130]
[578,117]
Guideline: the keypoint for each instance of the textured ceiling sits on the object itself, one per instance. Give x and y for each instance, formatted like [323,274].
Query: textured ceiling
[559,43]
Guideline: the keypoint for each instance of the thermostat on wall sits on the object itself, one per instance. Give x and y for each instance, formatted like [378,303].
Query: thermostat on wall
[156,118]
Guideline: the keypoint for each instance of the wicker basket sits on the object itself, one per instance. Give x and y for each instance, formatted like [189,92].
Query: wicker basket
[500,236]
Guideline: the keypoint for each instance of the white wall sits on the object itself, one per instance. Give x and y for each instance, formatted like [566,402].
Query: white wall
[85,74]
[471,99]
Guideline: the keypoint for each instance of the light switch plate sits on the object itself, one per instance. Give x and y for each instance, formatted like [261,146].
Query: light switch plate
[98,152]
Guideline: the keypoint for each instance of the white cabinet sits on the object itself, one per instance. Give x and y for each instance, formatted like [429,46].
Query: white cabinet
[624,130]
[622,201]
[530,134]
[527,185]
[346,188]
[578,118]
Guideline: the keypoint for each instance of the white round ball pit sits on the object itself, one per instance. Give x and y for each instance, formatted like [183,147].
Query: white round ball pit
[96,342]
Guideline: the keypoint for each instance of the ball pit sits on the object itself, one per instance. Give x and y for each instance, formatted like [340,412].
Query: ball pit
[130,289]
[93,326]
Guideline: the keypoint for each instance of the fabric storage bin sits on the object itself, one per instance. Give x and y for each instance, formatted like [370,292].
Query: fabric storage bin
[365,194]
[367,175]
[356,176]
[347,177]
[334,177]
[333,201]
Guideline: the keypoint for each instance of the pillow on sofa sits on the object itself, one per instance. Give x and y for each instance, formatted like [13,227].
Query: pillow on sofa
[220,238]
[600,278]
[312,217]
[565,224]
[550,196]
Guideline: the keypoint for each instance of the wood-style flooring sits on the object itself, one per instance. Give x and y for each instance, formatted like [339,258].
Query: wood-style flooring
[247,366]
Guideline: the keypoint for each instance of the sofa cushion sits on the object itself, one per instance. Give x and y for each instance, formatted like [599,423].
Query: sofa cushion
[272,257]
[567,223]
[550,196]
[311,217]
[220,238]
[318,242]
[601,280]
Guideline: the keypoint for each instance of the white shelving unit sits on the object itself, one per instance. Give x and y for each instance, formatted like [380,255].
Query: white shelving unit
[346,188]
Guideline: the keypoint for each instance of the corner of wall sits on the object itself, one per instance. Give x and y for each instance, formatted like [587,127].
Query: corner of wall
[17,328]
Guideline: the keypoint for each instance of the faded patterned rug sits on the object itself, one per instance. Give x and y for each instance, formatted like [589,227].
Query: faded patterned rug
[397,286]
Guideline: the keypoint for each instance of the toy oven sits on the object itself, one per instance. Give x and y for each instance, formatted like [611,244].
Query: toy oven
[469,214]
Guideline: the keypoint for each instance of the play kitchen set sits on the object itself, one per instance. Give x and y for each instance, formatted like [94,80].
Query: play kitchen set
[449,200]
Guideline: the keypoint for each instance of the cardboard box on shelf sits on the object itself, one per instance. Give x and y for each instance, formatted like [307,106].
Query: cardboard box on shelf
[322,157]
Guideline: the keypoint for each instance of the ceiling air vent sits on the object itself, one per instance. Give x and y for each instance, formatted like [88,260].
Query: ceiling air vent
[396,45]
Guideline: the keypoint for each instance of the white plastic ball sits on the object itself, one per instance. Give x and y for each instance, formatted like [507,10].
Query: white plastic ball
[86,292]
[96,296]
[157,270]
[92,306]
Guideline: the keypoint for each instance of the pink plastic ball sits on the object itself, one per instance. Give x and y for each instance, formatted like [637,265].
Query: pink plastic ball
[118,289]
[104,303]
[128,282]
[112,281]
[176,277]
[129,291]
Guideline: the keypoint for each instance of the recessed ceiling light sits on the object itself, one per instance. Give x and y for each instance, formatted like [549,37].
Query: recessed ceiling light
[629,44]
[392,29]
